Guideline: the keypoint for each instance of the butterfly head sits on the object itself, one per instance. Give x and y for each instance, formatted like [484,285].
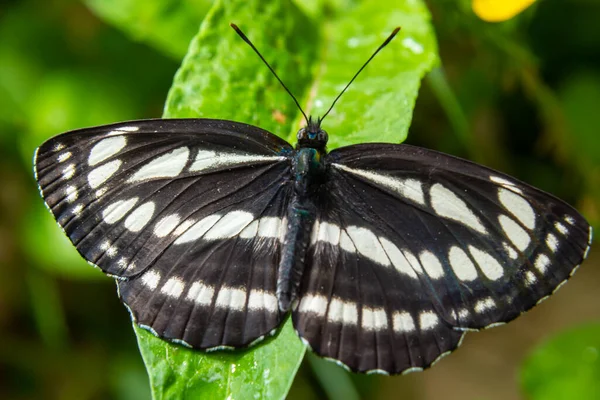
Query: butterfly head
[312,135]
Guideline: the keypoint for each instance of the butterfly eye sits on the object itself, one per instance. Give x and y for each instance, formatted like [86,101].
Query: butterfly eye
[301,134]
[322,136]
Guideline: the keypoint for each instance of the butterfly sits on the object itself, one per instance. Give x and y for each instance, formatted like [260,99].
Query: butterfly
[385,255]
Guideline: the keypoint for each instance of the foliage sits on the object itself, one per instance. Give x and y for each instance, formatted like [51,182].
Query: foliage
[566,367]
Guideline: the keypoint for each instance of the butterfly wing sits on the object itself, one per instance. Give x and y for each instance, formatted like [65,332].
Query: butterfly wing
[413,247]
[186,214]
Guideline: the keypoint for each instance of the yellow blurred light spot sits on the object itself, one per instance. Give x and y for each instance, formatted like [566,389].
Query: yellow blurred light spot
[499,10]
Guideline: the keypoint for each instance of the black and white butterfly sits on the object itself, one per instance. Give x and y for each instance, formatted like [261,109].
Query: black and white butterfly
[384,254]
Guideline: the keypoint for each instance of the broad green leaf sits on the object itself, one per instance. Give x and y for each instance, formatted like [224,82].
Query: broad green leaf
[222,78]
[378,106]
[566,367]
[265,372]
[167,25]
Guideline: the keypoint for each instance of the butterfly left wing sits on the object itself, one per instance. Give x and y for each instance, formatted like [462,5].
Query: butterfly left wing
[186,214]
[411,248]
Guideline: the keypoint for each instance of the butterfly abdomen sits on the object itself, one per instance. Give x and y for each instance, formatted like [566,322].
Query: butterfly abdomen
[308,173]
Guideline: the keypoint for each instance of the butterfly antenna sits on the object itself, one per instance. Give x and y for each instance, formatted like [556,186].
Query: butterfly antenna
[245,38]
[389,39]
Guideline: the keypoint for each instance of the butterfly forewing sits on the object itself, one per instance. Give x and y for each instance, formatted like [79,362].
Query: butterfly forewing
[187,213]
[413,247]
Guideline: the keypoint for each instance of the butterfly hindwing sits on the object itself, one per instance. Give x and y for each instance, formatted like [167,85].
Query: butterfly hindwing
[218,289]
[187,214]
[413,247]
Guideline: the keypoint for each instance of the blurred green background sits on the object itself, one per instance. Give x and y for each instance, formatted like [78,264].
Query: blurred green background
[521,96]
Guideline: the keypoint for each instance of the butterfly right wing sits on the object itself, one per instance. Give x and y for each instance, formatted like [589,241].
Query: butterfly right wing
[187,214]
[411,248]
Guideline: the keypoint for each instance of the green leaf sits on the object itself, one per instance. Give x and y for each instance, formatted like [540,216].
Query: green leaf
[265,372]
[567,367]
[378,106]
[221,77]
[167,25]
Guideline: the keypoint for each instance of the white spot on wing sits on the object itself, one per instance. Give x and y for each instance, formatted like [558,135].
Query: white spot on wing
[184,226]
[230,225]
[510,251]
[101,174]
[541,263]
[77,209]
[367,244]
[431,264]
[530,278]
[342,311]
[166,166]
[129,128]
[140,217]
[166,225]
[413,190]
[408,188]
[461,264]
[412,260]
[269,227]
[106,148]
[448,205]
[250,231]
[485,305]
[196,231]
[428,320]
[207,159]
[64,156]
[68,171]
[117,210]
[488,264]
[233,299]
[552,242]
[398,259]
[313,304]
[374,319]
[403,322]
[173,287]
[561,228]
[58,147]
[71,193]
[463,314]
[517,206]
[517,235]
[201,294]
[261,300]
[108,249]
[506,183]
[346,243]
[122,130]
[150,279]
[327,232]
